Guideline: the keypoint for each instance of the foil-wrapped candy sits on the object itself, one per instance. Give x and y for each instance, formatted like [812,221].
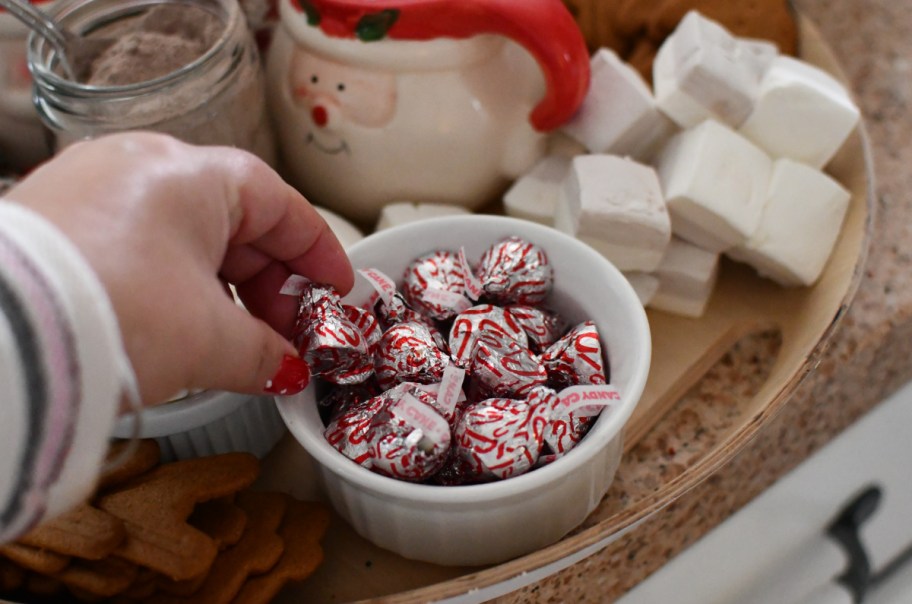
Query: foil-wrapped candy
[367,323]
[542,327]
[398,311]
[341,398]
[471,324]
[434,285]
[333,347]
[349,432]
[499,438]
[502,368]
[576,359]
[407,353]
[410,439]
[577,410]
[514,271]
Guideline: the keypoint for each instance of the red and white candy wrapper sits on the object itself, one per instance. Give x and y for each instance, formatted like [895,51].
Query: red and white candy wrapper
[382,284]
[576,410]
[367,323]
[434,284]
[326,339]
[469,325]
[542,327]
[503,368]
[350,430]
[342,398]
[407,353]
[397,310]
[576,359]
[451,399]
[515,271]
[499,438]
[410,439]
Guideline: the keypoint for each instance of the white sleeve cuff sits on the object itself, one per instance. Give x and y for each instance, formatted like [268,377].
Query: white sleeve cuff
[100,372]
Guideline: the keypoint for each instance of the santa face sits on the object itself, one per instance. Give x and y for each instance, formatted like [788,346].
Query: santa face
[339,98]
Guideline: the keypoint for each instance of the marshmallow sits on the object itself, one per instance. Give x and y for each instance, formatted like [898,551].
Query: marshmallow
[619,115]
[616,206]
[644,284]
[534,195]
[801,221]
[703,72]
[403,212]
[347,233]
[715,182]
[687,278]
[801,113]
[764,53]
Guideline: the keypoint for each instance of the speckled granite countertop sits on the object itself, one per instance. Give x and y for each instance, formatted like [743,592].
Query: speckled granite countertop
[869,357]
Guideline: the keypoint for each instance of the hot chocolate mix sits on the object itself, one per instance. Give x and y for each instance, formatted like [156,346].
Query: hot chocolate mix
[153,44]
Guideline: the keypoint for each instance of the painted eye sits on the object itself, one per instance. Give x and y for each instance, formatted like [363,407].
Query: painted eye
[314,79]
[340,87]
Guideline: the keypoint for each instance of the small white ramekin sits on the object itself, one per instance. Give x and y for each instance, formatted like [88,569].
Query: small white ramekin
[490,523]
[209,423]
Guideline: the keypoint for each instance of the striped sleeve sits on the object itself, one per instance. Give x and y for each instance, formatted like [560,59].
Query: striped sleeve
[62,369]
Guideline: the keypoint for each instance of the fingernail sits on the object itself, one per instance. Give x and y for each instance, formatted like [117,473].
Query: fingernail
[292,377]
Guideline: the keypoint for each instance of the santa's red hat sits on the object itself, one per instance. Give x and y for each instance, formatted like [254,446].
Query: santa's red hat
[544,28]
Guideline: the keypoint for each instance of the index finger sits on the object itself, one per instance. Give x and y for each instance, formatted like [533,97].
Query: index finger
[275,232]
[275,219]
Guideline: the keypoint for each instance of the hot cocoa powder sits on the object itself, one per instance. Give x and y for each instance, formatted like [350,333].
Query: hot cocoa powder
[153,44]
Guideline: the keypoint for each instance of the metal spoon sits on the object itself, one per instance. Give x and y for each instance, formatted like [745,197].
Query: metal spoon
[74,52]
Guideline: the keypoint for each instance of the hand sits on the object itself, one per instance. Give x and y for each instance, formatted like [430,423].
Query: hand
[161,221]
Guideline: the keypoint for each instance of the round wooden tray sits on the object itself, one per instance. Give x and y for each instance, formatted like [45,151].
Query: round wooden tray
[684,350]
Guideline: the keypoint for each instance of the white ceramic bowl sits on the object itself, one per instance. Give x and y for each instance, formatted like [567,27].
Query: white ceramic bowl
[209,423]
[489,523]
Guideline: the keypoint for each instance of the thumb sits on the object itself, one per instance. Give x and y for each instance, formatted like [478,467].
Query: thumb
[249,356]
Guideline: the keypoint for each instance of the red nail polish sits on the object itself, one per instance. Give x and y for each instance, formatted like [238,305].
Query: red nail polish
[291,378]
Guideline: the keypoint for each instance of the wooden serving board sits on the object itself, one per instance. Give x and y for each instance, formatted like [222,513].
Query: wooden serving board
[684,350]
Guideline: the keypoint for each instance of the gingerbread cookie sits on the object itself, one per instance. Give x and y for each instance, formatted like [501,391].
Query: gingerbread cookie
[155,508]
[141,460]
[258,550]
[84,532]
[303,528]
[36,560]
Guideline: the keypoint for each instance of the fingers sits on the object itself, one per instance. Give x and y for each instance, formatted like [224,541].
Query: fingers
[270,217]
[274,233]
[260,295]
[246,355]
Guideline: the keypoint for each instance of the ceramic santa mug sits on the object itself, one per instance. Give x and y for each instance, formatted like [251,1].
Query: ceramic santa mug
[421,100]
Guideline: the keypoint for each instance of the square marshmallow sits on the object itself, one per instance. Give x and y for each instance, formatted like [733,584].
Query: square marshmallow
[644,284]
[534,195]
[801,221]
[687,278]
[403,212]
[616,206]
[702,71]
[801,113]
[715,183]
[619,115]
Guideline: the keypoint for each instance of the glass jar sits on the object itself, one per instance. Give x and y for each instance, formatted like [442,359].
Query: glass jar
[216,99]
[23,138]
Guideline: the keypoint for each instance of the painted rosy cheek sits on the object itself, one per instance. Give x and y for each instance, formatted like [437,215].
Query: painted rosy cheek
[369,99]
